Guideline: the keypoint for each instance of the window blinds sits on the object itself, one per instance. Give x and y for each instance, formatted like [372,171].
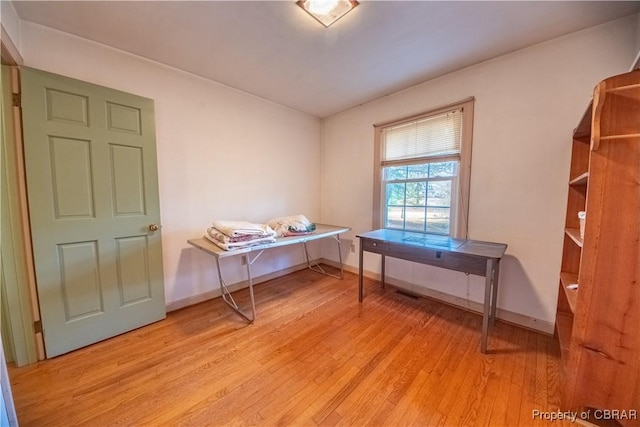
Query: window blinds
[438,135]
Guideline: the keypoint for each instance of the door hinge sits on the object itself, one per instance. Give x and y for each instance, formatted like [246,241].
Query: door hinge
[37,326]
[17,100]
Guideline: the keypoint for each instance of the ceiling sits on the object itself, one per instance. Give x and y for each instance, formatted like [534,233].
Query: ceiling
[274,50]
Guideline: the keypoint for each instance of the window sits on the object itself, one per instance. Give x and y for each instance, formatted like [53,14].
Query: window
[423,166]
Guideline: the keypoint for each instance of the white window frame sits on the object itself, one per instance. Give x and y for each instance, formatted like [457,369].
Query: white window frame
[459,213]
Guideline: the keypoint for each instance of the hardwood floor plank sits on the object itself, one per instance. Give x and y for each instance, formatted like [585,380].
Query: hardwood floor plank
[467,371]
[357,408]
[495,405]
[553,375]
[355,381]
[377,388]
[517,384]
[404,408]
[314,356]
[527,404]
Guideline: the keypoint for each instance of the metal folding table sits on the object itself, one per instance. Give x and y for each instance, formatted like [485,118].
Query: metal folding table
[252,253]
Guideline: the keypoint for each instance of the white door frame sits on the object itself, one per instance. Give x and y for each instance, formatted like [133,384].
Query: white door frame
[7,407]
[23,304]
[6,397]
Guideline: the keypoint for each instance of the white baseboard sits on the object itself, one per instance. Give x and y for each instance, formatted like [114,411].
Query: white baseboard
[518,319]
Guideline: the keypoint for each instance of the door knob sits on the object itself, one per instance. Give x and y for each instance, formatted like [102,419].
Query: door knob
[154,227]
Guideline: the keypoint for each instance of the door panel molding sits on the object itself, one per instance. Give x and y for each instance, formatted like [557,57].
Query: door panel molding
[71,177]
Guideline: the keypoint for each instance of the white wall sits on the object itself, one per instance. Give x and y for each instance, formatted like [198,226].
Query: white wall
[10,22]
[638,34]
[527,104]
[222,153]
[636,63]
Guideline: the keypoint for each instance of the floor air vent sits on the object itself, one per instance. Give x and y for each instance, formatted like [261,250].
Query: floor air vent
[407,294]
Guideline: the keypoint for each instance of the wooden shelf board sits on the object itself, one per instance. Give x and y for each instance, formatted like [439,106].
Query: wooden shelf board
[572,294]
[613,139]
[580,179]
[621,136]
[564,325]
[584,127]
[574,234]
[568,278]
[626,87]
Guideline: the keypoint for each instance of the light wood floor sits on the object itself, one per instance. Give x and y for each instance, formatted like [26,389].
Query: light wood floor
[315,356]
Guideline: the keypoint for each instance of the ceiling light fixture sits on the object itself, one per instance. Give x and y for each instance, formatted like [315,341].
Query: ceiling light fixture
[327,11]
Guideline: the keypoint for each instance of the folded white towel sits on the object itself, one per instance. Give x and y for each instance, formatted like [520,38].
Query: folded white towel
[243,228]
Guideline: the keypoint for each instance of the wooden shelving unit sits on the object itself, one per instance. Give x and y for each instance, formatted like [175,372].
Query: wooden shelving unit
[598,324]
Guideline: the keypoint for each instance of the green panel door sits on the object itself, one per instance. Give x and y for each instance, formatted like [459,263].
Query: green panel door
[93,198]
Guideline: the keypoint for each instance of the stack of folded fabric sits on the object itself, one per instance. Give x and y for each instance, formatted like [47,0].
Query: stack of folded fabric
[294,225]
[230,235]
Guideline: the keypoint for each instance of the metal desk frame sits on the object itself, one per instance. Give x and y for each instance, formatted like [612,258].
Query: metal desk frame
[322,231]
[467,256]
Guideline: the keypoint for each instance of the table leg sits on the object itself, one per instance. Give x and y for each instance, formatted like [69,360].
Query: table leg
[487,305]
[318,268]
[382,271]
[360,273]
[228,298]
[494,296]
[337,238]
[253,301]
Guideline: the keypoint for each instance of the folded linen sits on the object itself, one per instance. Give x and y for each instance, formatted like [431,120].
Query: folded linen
[292,225]
[230,243]
[243,228]
[221,237]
